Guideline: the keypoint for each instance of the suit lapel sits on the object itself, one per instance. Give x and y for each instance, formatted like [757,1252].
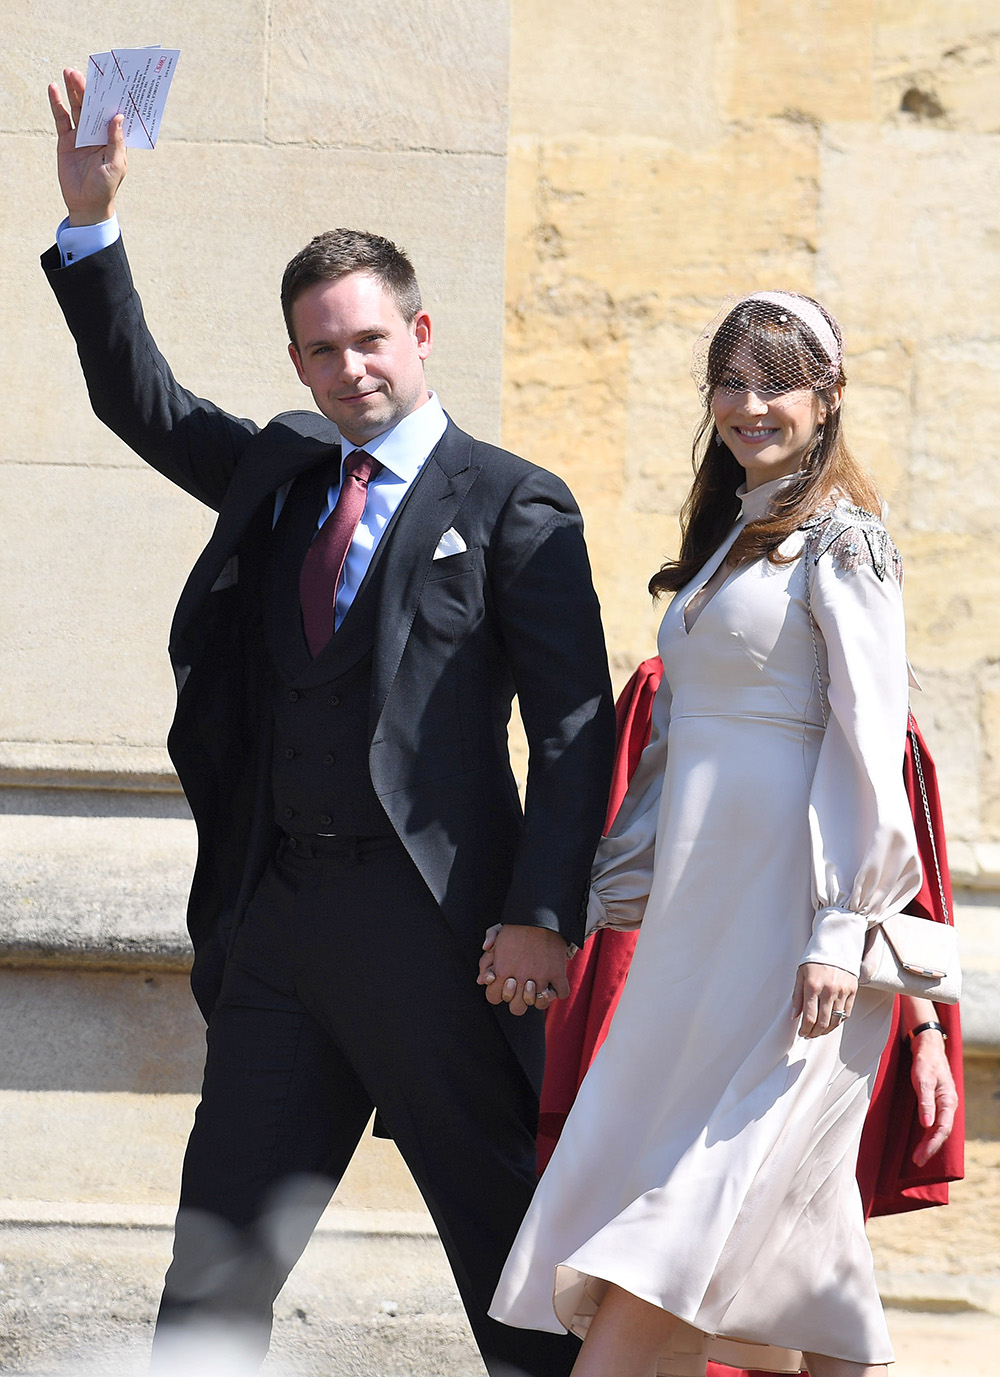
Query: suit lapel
[431,507]
[282,453]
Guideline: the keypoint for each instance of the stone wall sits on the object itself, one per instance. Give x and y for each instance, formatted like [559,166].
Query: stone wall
[285,118]
[664,154]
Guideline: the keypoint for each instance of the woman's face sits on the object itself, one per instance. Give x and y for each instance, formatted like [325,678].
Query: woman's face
[768,431]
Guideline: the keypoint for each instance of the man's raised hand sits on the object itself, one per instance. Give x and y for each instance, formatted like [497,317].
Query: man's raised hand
[89,178]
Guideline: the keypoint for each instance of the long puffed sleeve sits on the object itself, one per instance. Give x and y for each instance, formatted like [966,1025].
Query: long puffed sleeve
[865,861]
[623,866]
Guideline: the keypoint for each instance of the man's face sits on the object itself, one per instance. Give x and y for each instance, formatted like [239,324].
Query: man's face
[359,358]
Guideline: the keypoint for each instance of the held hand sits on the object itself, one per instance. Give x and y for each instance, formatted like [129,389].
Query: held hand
[528,967]
[89,178]
[937,1098]
[487,975]
[822,994]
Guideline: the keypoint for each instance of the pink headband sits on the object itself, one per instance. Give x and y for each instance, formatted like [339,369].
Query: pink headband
[824,329]
[810,314]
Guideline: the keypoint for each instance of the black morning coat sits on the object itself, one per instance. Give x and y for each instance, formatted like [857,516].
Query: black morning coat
[457,637]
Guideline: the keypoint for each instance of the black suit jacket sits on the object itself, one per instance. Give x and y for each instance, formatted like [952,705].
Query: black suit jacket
[457,637]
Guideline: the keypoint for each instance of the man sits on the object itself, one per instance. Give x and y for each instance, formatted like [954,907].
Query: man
[377,587]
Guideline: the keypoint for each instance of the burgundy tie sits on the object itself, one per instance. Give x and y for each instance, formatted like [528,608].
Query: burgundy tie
[324,561]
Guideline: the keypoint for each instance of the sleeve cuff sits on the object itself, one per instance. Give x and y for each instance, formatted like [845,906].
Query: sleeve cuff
[80,241]
[838,939]
[597,916]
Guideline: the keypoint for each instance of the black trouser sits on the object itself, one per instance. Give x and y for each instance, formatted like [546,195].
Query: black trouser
[346,990]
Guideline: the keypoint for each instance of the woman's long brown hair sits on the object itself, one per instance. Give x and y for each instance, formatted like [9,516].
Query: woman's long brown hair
[784,348]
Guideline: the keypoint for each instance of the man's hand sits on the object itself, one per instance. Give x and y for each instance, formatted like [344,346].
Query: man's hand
[89,178]
[824,997]
[524,967]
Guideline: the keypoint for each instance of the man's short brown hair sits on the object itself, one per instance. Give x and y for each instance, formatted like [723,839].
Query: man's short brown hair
[340,252]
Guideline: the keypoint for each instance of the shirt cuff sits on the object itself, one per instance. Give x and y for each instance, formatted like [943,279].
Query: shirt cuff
[838,939]
[80,241]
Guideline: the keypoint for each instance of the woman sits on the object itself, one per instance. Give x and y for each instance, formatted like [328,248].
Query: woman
[701,1202]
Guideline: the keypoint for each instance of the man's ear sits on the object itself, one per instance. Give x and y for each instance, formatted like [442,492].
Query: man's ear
[293,354]
[421,328]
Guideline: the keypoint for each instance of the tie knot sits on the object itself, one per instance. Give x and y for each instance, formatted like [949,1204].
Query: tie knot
[361,465]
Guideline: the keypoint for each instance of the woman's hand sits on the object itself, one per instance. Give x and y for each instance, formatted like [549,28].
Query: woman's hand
[937,1098]
[487,974]
[824,997]
[930,1076]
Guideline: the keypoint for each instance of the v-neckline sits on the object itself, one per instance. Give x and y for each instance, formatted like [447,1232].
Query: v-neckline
[754,503]
[727,574]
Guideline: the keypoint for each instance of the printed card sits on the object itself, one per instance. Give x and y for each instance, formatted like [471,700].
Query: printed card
[133,82]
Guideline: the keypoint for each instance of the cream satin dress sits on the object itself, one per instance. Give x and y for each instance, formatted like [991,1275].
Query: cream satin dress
[708,1162]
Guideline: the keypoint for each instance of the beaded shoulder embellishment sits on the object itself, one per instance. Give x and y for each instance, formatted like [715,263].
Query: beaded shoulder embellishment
[855,538]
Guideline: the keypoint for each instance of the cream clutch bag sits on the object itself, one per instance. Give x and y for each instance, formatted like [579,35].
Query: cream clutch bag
[914,956]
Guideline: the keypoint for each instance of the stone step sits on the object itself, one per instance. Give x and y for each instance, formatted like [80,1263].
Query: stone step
[79,1301]
[371,1297]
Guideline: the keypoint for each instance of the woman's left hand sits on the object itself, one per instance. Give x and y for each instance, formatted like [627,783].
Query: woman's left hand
[824,997]
[937,1097]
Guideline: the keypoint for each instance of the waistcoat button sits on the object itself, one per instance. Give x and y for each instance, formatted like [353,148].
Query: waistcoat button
[328,759]
[334,701]
[289,812]
[325,819]
[289,753]
[293,695]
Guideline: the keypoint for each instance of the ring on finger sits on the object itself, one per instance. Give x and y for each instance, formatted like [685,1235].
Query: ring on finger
[839,1014]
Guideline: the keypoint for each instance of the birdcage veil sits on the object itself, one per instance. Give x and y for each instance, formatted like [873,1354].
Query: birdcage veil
[791,342]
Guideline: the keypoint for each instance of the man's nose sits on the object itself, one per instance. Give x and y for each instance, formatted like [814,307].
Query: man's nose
[352,365]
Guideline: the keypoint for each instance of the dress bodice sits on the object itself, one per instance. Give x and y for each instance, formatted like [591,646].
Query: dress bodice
[751,651]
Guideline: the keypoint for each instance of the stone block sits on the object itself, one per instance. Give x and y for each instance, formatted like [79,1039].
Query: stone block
[792,55]
[91,571]
[917,265]
[950,584]
[955,442]
[108,888]
[217,92]
[583,67]
[990,779]
[878,420]
[417,76]
[946,710]
[648,223]
[940,62]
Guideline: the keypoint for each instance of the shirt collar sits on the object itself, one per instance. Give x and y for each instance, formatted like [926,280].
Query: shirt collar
[404,448]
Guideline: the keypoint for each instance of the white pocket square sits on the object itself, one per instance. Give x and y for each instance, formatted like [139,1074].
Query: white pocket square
[451,543]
